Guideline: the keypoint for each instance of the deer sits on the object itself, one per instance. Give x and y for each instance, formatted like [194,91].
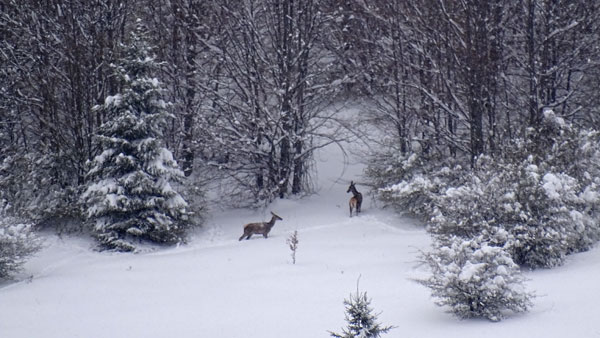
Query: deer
[355,200]
[260,227]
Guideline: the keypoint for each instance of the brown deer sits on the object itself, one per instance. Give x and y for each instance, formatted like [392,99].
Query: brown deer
[355,200]
[260,227]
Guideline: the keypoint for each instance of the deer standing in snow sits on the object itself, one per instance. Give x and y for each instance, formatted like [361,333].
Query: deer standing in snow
[355,200]
[260,227]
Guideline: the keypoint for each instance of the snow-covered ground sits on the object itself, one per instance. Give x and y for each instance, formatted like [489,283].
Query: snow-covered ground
[217,286]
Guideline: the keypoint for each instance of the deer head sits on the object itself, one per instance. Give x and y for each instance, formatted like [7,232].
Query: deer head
[351,187]
[275,217]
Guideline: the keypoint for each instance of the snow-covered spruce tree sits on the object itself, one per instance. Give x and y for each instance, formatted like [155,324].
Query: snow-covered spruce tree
[469,206]
[412,182]
[544,213]
[556,193]
[131,196]
[543,190]
[475,278]
[362,322]
[17,243]
[484,199]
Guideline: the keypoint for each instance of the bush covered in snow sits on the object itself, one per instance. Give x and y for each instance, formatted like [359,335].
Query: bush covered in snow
[422,178]
[545,225]
[475,278]
[543,190]
[17,243]
[37,187]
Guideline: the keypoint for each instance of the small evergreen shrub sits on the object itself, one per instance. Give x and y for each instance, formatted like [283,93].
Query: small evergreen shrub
[475,278]
[17,243]
[422,179]
[362,322]
[38,187]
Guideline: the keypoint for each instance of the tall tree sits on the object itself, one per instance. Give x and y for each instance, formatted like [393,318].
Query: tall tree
[437,74]
[130,195]
[55,56]
[186,32]
[558,61]
[268,103]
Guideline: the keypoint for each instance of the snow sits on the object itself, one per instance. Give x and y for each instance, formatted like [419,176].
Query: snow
[557,186]
[216,286]
[113,100]
[417,183]
[589,195]
[164,162]
[471,271]
[549,115]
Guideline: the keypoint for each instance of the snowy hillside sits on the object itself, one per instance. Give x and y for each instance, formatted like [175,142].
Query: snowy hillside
[217,286]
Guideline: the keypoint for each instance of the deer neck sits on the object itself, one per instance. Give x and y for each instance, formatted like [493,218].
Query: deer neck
[271,222]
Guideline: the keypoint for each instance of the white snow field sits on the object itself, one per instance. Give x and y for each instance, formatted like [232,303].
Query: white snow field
[217,286]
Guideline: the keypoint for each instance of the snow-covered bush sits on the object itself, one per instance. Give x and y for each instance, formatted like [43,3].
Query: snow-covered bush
[17,243]
[543,190]
[422,179]
[507,197]
[475,278]
[542,229]
[556,193]
[37,187]
[362,322]
[471,206]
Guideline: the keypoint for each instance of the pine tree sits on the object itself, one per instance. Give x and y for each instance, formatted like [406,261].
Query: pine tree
[362,322]
[17,244]
[131,196]
[476,278]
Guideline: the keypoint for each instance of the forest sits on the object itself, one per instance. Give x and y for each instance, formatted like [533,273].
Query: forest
[115,114]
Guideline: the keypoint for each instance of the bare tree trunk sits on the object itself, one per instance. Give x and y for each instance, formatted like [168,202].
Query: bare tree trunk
[534,117]
[191,43]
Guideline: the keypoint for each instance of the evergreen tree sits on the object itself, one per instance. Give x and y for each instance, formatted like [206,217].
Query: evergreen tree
[131,196]
[17,243]
[476,278]
[543,192]
[362,322]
